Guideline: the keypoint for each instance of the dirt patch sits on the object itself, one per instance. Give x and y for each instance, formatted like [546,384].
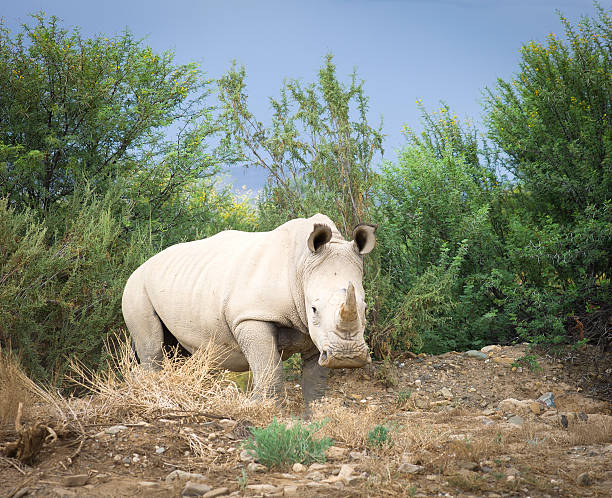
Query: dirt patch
[452,429]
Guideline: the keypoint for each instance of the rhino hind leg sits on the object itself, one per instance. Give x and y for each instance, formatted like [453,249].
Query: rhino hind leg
[314,380]
[146,329]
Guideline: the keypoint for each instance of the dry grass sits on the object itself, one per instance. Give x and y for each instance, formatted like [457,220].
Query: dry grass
[345,424]
[189,386]
[17,388]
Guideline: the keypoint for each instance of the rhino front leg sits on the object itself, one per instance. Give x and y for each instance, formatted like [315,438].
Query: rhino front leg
[314,379]
[257,340]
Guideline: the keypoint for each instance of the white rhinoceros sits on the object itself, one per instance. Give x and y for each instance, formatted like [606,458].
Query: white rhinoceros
[262,297]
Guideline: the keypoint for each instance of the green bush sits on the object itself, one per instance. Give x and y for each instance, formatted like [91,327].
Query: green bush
[277,445]
[379,436]
[60,291]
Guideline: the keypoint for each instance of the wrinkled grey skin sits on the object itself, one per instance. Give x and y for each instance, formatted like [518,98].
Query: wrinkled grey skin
[260,296]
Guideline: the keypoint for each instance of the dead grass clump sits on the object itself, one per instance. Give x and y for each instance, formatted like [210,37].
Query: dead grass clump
[15,387]
[597,429]
[345,424]
[190,386]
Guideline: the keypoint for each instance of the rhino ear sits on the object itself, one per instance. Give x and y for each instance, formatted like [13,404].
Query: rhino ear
[364,238]
[320,235]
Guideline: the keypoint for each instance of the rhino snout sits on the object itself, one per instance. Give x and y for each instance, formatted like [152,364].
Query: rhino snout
[345,355]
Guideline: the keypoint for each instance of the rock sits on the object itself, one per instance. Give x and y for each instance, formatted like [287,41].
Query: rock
[247,456]
[159,450]
[227,424]
[584,479]
[547,399]
[471,466]
[298,467]
[490,349]
[256,467]
[216,492]
[516,420]
[345,473]
[115,429]
[317,466]
[335,453]
[515,406]
[195,489]
[262,488]
[356,455]
[536,407]
[290,490]
[446,392]
[315,476]
[76,480]
[127,460]
[476,354]
[409,468]
[181,475]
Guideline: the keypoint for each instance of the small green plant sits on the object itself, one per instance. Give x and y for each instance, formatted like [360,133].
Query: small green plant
[243,480]
[379,436]
[277,445]
[385,374]
[403,397]
[530,361]
[292,367]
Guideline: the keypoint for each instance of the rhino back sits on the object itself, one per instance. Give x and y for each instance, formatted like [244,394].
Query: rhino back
[209,286]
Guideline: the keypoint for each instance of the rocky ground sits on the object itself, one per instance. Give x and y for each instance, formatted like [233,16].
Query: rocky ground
[497,422]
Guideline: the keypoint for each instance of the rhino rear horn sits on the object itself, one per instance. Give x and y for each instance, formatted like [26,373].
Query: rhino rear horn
[348,310]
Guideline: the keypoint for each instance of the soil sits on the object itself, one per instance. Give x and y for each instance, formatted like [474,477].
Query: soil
[458,426]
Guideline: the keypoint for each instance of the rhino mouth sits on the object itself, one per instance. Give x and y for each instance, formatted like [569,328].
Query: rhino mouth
[331,358]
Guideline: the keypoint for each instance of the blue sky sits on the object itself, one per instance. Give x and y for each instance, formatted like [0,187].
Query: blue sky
[405,50]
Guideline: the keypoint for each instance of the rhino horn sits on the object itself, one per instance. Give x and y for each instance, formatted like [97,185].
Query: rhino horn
[348,310]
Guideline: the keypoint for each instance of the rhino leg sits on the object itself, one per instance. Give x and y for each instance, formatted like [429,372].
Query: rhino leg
[314,379]
[257,340]
[143,323]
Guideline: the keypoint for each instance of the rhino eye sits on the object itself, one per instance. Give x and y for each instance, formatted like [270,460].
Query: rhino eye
[314,310]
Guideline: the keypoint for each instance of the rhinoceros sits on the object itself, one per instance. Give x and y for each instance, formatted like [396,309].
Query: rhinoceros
[261,297]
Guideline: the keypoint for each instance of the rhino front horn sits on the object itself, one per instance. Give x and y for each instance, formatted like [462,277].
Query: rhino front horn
[348,310]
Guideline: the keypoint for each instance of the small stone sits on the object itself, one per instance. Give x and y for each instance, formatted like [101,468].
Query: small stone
[536,407]
[516,420]
[472,466]
[356,455]
[584,479]
[335,453]
[117,458]
[418,382]
[216,492]
[262,488]
[246,456]
[195,489]
[148,484]
[255,467]
[290,490]
[317,466]
[491,348]
[159,450]
[476,354]
[547,399]
[76,480]
[127,460]
[181,475]
[315,476]
[409,468]
[345,473]
[298,467]
[446,392]
[227,424]
[115,429]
